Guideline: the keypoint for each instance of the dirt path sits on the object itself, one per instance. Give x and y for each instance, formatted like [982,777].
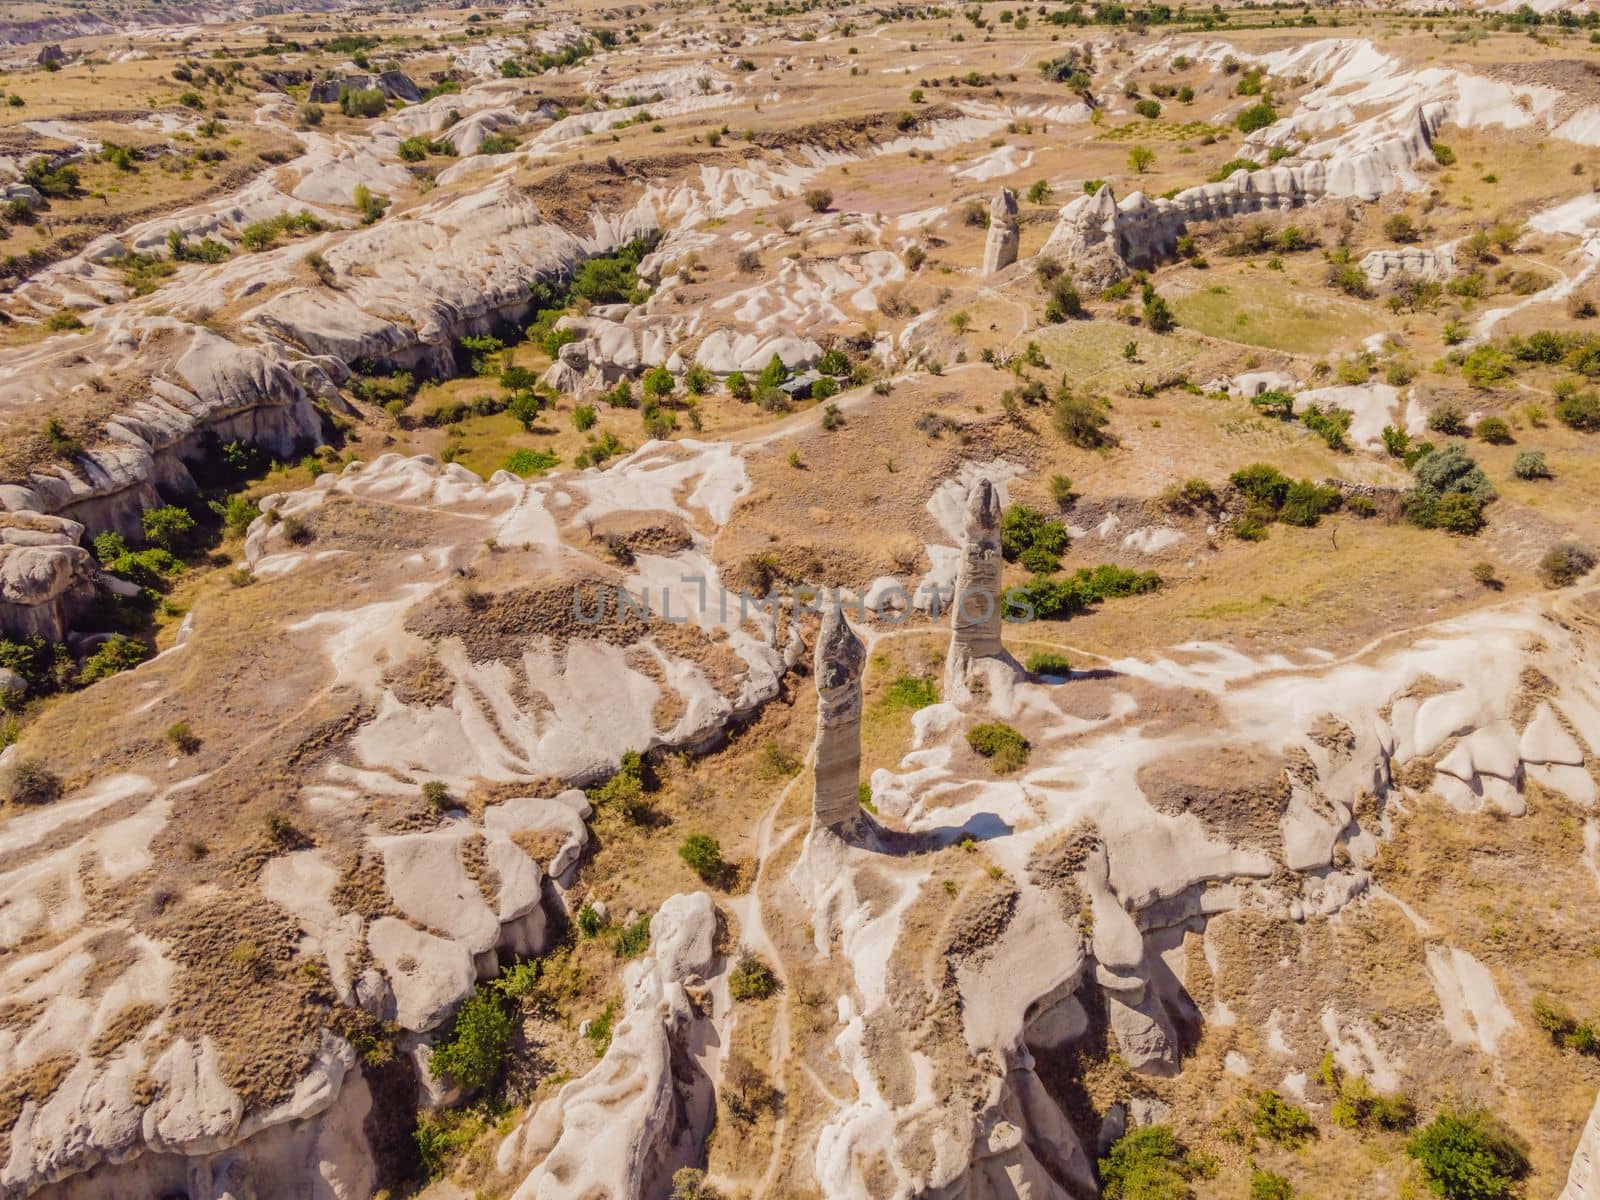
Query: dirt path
[758,939]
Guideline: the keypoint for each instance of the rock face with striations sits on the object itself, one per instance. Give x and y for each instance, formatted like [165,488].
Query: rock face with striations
[644,1110]
[46,578]
[836,801]
[1583,1179]
[975,614]
[1000,248]
[1101,237]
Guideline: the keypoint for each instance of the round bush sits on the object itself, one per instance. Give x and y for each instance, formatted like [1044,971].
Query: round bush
[1494,431]
[1469,1156]
[30,783]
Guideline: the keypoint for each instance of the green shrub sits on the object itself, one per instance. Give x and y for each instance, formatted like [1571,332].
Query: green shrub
[625,790]
[1530,464]
[1024,530]
[1469,1155]
[1349,279]
[701,853]
[1277,1121]
[531,462]
[1565,563]
[1047,662]
[1357,1106]
[1257,116]
[1081,420]
[1267,1185]
[1064,304]
[738,386]
[751,979]
[262,235]
[1305,502]
[473,1054]
[436,795]
[1579,410]
[1237,164]
[1005,748]
[1330,424]
[180,736]
[600,1027]
[1149,109]
[1147,1164]
[1485,366]
[116,654]
[445,1135]
[657,383]
[1058,599]
[834,362]
[1451,491]
[1158,316]
[689,1183]
[64,321]
[1447,419]
[167,526]
[911,692]
[633,940]
[362,102]
[1494,431]
[697,380]
[590,922]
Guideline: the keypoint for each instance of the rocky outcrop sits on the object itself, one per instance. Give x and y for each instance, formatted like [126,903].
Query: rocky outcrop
[1000,246]
[47,580]
[1098,237]
[409,290]
[322,1154]
[1583,1178]
[977,608]
[840,656]
[395,85]
[1415,262]
[644,1111]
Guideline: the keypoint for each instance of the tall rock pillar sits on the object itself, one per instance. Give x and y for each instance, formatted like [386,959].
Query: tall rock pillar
[836,799]
[1000,248]
[976,611]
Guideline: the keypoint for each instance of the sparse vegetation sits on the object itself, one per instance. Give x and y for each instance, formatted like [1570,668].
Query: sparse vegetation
[751,979]
[1005,748]
[1565,563]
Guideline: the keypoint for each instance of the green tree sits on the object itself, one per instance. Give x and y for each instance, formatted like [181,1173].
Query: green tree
[1146,1164]
[702,855]
[774,374]
[1469,1155]
[473,1053]
[1257,116]
[167,526]
[657,383]
[1141,159]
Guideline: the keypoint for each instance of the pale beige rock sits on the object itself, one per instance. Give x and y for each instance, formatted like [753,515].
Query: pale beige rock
[840,656]
[1583,1177]
[1000,246]
[977,608]
[621,1130]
